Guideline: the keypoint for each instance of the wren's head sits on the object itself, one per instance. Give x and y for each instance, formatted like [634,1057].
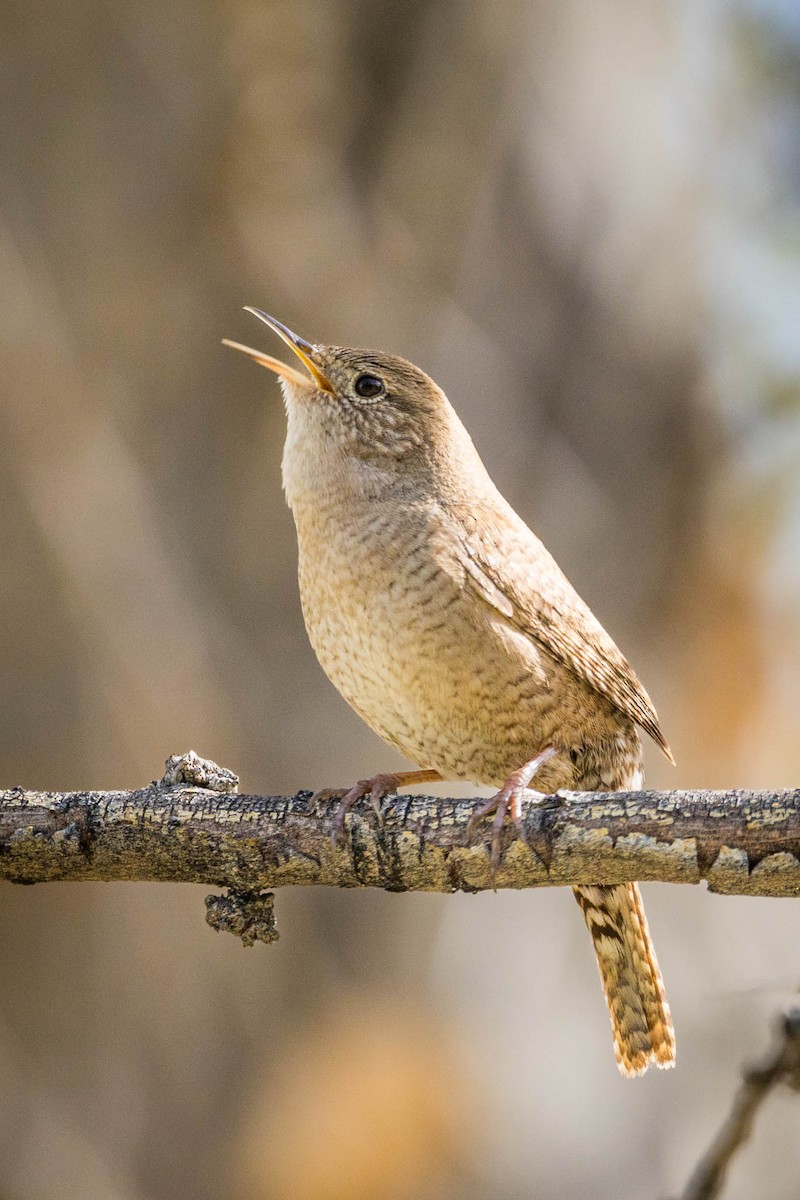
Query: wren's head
[365,422]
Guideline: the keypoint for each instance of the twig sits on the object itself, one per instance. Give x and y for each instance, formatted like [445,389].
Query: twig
[781,1066]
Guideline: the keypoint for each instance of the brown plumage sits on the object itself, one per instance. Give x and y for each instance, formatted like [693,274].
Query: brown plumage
[449,628]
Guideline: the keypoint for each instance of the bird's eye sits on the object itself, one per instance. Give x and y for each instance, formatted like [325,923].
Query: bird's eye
[369,386]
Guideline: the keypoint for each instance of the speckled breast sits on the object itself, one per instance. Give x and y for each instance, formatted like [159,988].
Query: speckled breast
[431,668]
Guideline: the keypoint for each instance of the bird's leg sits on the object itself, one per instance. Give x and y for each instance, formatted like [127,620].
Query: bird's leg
[509,800]
[377,788]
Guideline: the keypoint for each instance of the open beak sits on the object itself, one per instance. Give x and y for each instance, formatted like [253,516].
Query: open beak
[303,349]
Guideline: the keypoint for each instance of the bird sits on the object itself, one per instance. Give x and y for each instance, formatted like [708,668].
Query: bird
[445,623]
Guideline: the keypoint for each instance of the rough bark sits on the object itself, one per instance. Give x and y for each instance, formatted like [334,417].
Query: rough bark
[193,827]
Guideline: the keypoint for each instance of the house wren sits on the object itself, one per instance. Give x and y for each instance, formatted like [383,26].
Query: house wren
[449,628]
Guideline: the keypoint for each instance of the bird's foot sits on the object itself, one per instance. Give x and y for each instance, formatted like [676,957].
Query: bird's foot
[508,801]
[377,788]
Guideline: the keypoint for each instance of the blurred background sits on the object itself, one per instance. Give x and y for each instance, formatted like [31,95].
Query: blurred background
[584,221]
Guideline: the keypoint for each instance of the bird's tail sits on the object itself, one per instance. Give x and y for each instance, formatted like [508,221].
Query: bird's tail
[640,1016]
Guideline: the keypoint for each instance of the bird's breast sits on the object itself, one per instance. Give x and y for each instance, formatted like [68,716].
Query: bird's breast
[380,606]
[438,673]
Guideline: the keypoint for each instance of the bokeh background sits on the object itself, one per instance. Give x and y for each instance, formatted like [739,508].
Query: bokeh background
[584,221]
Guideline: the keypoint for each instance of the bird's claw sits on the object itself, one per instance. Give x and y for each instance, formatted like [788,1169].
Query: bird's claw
[377,788]
[509,801]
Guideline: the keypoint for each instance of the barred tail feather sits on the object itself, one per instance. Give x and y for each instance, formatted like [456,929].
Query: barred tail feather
[640,1016]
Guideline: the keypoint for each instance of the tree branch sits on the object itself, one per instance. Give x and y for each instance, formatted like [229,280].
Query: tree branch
[192,827]
[782,1065]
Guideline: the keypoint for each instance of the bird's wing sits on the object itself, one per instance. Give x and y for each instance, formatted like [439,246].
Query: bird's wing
[511,570]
